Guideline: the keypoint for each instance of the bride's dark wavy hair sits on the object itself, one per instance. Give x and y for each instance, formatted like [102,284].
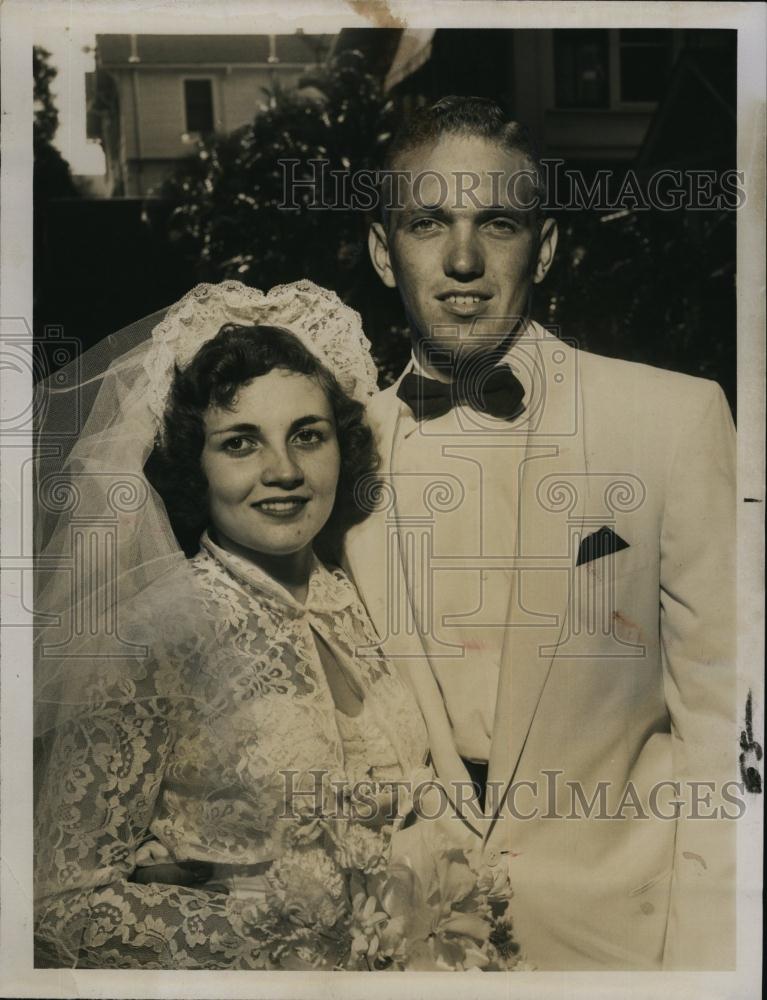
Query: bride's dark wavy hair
[223,364]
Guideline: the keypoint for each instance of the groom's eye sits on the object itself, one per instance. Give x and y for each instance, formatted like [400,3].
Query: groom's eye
[423,225]
[502,225]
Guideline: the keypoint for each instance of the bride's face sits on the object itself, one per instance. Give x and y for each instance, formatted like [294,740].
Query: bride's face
[272,462]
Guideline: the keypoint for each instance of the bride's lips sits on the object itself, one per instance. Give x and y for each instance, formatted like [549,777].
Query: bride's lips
[464,302]
[281,508]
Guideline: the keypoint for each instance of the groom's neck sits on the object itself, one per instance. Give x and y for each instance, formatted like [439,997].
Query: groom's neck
[440,366]
[448,366]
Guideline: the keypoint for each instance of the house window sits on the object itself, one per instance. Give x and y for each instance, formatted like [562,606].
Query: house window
[198,105]
[582,69]
[645,62]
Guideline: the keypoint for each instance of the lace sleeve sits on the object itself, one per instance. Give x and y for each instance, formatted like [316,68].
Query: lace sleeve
[102,779]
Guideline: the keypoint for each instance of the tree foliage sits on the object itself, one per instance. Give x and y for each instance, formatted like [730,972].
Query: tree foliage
[228,220]
[229,195]
[52,175]
[654,287]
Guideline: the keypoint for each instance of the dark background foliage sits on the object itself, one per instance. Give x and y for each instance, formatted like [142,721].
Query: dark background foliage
[52,176]
[228,222]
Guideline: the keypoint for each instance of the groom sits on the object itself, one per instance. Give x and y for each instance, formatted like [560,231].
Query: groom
[550,561]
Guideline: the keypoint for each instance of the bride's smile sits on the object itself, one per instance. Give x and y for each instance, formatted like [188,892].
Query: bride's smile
[271,461]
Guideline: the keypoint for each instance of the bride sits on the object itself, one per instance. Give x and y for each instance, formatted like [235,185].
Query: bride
[226,763]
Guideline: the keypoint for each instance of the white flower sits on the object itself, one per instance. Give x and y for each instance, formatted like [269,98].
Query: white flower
[366,920]
[363,849]
[308,887]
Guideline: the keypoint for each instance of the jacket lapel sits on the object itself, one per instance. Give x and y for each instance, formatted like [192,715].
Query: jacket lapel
[551,504]
[372,556]
[552,499]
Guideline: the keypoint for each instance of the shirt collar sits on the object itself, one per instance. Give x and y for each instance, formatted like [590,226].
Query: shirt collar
[514,358]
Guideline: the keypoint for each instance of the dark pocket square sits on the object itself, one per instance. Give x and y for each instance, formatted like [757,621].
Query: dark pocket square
[602,543]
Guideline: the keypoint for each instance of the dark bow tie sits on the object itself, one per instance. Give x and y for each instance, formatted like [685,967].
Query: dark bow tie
[498,394]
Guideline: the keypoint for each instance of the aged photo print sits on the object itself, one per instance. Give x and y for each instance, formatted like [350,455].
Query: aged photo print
[382,498]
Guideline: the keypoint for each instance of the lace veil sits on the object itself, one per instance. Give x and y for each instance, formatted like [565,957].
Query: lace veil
[104,545]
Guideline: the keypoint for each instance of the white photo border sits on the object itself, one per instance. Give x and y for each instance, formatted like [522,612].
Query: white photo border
[18,22]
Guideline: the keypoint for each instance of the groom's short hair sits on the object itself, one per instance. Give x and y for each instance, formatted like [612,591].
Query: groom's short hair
[465,116]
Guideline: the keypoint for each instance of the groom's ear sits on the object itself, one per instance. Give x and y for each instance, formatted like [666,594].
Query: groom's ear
[547,247]
[378,247]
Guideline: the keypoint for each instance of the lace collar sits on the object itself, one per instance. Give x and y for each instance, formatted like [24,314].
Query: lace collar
[329,591]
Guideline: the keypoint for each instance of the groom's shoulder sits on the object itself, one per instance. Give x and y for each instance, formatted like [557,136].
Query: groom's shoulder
[382,404]
[624,387]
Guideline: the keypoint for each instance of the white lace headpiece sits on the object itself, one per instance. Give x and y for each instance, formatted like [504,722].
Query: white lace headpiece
[329,330]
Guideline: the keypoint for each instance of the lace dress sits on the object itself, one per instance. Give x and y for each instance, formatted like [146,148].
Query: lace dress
[368,752]
[211,744]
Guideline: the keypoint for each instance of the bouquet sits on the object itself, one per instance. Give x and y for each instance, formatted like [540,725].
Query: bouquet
[345,896]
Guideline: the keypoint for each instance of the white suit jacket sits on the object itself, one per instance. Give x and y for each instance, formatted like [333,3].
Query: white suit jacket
[618,664]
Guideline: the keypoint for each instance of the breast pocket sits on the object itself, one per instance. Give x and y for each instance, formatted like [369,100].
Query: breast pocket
[618,548]
[602,618]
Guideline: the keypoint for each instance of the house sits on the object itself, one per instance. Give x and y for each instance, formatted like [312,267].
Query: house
[587,94]
[152,97]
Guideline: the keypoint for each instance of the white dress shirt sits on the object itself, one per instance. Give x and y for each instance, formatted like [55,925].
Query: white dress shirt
[455,481]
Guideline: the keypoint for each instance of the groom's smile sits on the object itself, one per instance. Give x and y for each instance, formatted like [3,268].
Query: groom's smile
[465,302]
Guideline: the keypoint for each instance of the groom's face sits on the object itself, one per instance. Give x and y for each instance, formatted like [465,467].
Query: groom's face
[465,246]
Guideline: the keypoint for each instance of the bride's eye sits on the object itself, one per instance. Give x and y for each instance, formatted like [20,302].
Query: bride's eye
[309,436]
[238,445]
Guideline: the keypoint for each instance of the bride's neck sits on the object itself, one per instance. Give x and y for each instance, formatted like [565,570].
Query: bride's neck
[291,570]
